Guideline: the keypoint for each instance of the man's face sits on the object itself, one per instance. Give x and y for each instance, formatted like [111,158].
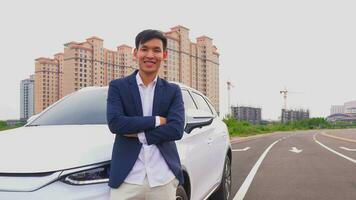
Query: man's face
[150,55]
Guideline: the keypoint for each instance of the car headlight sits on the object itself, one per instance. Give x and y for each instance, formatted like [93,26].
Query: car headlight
[90,176]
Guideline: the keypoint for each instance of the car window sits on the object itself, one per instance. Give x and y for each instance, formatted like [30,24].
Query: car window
[85,107]
[211,107]
[201,103]
[188,101]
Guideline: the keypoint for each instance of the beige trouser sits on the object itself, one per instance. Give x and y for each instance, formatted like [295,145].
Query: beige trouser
[128,191]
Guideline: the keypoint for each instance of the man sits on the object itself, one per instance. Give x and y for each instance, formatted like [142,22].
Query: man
[146,114]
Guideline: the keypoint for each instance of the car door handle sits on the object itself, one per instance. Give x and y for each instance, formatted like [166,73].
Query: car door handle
[210,140]
[222,134]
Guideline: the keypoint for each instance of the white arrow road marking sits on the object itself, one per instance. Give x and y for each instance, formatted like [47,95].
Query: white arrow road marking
[347,149]
[295,150]
[245,149]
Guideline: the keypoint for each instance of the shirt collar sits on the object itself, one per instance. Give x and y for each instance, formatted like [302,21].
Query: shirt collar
[140,82]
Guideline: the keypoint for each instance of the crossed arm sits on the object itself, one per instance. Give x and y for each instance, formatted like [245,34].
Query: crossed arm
[161,121]
[171,127]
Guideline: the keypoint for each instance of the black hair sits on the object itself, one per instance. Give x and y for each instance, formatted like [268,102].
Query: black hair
[149,34]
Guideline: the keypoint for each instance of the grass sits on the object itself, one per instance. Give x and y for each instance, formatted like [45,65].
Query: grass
[243,128]
[4,126]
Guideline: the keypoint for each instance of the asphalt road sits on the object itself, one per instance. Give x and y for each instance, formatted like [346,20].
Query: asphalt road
[296,165]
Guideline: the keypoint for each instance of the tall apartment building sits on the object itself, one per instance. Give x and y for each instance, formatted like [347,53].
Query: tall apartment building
[82,64]
[88,63]
[27,101]
[294,115]
[125,61]
[47,82]
[85,64]
[245,113]
[193,64]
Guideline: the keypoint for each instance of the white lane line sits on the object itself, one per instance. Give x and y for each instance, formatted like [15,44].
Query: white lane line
[347,149]
[244,149]
[335,152]
[246,184]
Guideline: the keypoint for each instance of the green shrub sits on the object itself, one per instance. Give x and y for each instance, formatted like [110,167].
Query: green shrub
[243,128]
[4,126]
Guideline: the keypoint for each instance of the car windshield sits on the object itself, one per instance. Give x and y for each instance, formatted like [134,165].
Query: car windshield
[83,107]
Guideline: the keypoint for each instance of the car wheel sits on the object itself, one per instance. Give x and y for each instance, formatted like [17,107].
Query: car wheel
[224,191]
[181,194]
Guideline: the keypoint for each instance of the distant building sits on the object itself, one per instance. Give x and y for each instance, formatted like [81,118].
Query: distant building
[346,112]
[342,117]
[245,113]
[27,102]
[350,107]
[294,115]
[336,109]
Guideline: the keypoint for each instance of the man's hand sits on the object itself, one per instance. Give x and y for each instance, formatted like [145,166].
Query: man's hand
[131,135]
[162,120]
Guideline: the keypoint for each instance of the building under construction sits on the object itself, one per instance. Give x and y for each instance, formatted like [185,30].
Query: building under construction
[245,113]
[294,115]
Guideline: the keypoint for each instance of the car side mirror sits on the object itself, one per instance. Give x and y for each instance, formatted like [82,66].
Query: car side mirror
[197,119]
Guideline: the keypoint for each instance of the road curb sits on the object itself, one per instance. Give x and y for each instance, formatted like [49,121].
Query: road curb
[237,139]
[338,137]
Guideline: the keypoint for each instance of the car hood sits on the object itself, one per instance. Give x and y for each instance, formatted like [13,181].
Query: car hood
[51,148]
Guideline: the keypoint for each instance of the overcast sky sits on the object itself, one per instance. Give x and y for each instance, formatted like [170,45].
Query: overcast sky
[308,46]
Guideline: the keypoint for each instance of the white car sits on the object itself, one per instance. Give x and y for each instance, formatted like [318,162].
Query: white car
[65,151]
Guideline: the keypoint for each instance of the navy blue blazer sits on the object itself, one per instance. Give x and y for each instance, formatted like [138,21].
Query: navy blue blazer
[124,116]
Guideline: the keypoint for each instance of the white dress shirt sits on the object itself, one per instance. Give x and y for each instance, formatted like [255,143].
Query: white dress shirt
[150,161]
